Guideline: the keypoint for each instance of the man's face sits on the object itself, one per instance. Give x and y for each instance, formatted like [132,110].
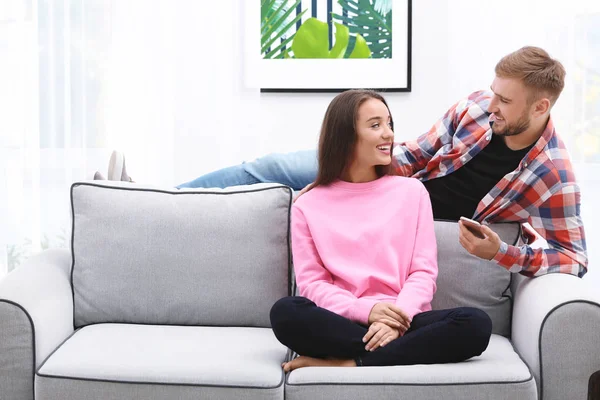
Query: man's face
[509,107]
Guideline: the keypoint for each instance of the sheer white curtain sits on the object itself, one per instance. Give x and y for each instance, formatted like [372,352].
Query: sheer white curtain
[78,78]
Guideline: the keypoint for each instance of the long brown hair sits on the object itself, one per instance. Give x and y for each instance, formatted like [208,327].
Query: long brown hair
[338,136]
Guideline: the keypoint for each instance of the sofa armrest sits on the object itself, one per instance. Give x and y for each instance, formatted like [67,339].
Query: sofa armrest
[555,326]
[36,316]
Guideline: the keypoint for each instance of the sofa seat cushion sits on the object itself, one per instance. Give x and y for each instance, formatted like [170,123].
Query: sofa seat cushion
[119,361]
[498,373]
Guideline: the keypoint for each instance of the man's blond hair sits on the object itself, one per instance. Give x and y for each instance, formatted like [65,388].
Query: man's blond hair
[541,73]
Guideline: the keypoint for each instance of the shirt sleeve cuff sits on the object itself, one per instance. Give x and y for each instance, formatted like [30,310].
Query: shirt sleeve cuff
[362,310]
[507,256]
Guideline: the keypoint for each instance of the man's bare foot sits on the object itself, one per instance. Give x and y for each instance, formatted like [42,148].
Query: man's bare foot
[116,168]
[303,361]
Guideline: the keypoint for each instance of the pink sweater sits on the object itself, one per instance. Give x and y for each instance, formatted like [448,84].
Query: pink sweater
[358,244]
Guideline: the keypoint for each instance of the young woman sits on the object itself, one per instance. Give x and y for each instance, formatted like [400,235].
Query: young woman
[365,257]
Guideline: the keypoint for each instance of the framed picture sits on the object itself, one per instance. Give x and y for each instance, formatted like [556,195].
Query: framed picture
[327,45]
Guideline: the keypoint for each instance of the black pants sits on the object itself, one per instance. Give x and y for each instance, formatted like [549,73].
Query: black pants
[441,336]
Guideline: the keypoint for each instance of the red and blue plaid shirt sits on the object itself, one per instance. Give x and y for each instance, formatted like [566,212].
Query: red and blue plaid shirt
[542,190]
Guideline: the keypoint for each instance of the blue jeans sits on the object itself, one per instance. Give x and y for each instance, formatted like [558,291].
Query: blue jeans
[295,170]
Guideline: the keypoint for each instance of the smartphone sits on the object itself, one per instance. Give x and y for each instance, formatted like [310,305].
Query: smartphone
[473,226]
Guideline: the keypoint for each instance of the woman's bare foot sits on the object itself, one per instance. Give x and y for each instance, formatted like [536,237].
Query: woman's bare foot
[303,361]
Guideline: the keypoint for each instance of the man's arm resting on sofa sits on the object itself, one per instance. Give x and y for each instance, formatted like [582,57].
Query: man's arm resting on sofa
[558,222]
[555,330]
[36,315]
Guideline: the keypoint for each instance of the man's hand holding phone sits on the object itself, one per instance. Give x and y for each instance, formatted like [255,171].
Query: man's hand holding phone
[478,239]
[473,226]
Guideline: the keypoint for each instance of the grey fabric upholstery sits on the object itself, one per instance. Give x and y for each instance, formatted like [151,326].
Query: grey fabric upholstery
[555,330]
[36,315]
[572,366]
[16,352]
[498,373]
[465,280]
[179,257]
[110,361]
[71,389]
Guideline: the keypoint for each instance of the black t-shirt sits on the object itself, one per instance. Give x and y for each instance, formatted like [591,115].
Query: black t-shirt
[458,193]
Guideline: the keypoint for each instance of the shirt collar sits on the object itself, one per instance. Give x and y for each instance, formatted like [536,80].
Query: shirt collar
[547,135]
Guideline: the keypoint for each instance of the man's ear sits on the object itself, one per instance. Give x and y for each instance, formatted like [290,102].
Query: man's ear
[541,107]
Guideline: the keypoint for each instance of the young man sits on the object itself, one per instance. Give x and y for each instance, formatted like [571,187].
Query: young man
[493,157]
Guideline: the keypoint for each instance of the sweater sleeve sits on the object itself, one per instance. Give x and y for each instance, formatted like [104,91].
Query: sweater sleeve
[417,292]
[314,280]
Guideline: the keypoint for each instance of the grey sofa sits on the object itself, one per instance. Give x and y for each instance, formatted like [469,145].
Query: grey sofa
[165,294]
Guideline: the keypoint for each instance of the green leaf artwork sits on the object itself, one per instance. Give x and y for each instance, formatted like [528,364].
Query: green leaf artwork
[276,22]
[312,41]
[359,29]
[373,20]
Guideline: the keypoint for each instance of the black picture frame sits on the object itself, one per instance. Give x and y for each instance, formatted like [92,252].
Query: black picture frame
[406,88]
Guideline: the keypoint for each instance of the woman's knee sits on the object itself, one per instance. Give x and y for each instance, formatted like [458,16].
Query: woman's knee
[478,326]
[280,310]
[285,311]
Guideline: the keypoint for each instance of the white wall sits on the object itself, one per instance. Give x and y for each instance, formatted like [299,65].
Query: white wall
[241,124]
[218,122]
[455,47]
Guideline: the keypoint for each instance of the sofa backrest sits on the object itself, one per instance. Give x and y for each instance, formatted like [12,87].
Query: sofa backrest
[179,257]
[466,280]
[222,257]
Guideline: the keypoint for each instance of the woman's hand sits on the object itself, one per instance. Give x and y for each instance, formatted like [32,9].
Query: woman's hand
[378,335]
[390,315]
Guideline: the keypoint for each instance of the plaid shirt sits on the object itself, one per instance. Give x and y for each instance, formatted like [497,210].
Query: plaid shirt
[541,191]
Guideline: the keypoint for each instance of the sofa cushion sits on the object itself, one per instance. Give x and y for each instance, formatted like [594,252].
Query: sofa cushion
[180,257]
[120,361]
[498,373]
[466,280]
